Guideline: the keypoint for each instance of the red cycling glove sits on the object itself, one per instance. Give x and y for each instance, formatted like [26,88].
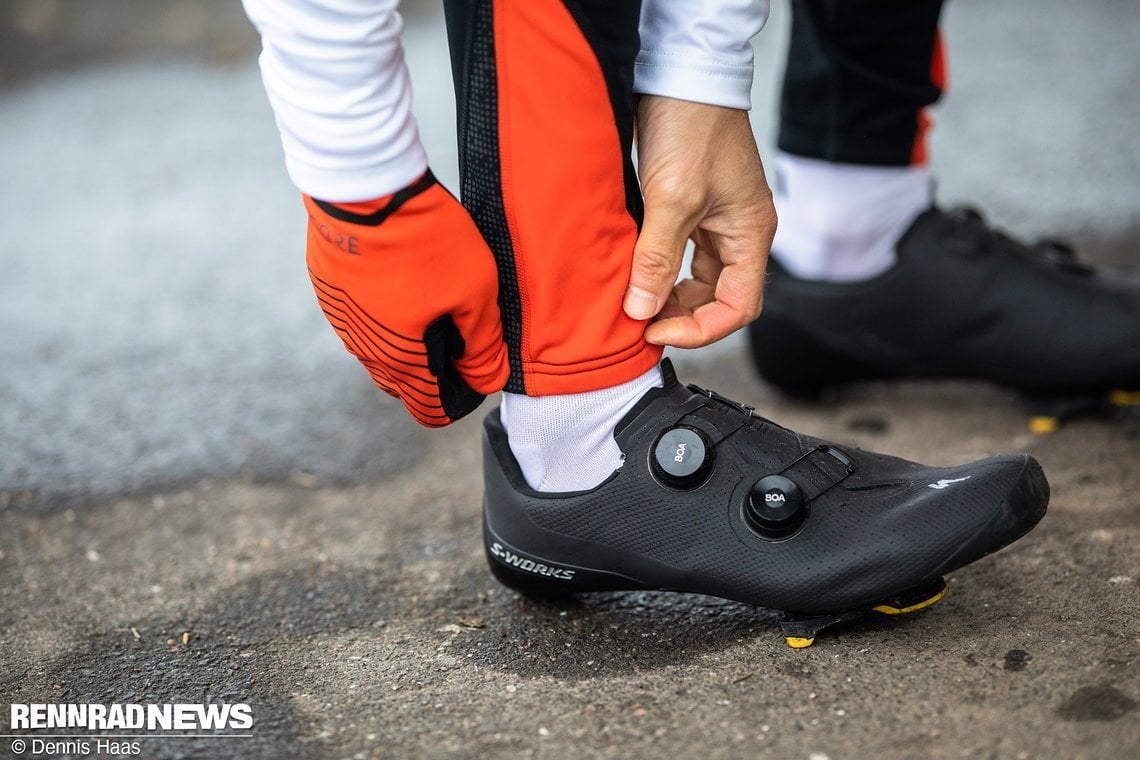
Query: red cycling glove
[410,286]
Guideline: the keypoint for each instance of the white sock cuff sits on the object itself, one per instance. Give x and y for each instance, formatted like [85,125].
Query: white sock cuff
[565,442]
[841,221]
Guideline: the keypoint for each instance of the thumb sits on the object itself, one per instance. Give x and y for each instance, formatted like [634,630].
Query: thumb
[656,260]
[482,355]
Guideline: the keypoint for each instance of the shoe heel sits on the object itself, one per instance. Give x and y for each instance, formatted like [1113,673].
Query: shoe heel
[533,576]
[526,584]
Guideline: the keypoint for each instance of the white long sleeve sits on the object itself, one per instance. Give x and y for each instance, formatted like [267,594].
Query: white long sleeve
[336,79]
[335,75]
[699,50]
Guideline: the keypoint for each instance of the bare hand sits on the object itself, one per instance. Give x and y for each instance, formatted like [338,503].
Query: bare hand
[702,179]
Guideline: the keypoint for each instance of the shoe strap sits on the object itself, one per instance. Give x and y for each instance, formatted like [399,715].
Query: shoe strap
[819,470]
[714,415]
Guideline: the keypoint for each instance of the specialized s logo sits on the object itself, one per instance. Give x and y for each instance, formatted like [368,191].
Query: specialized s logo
[944,483]
[529,565]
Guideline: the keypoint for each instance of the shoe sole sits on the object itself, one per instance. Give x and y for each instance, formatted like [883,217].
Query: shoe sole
[531,577]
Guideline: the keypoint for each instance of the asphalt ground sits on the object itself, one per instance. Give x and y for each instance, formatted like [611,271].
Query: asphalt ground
[203,500]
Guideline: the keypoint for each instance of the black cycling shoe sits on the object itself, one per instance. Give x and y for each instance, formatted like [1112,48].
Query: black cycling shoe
[962,301]
[713,499]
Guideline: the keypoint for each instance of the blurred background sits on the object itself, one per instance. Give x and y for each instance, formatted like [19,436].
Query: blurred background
[156,324]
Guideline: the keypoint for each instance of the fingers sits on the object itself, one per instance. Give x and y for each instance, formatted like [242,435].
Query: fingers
[724,294]
[421,400]
[708,322]
[484,365]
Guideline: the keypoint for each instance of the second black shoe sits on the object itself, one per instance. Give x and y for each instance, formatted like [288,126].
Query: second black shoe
[714,499]
[961,301]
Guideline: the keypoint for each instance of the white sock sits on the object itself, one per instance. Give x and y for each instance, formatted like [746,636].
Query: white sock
[840,222]
[566,443]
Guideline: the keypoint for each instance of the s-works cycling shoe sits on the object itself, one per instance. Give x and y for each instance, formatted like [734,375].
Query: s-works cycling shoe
[713,499]
[961,301]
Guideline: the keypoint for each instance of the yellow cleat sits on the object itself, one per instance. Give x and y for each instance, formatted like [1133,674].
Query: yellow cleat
[1047,412]
[888,609]
[1124,399]
[800,632]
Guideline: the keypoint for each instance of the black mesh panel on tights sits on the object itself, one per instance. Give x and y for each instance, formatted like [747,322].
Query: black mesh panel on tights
[482,191]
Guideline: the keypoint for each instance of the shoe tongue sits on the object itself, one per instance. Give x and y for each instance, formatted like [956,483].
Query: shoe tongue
[671,386]
[668,374]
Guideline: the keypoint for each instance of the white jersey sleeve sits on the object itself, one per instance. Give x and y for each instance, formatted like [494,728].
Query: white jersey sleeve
[699,50]
[336,79]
